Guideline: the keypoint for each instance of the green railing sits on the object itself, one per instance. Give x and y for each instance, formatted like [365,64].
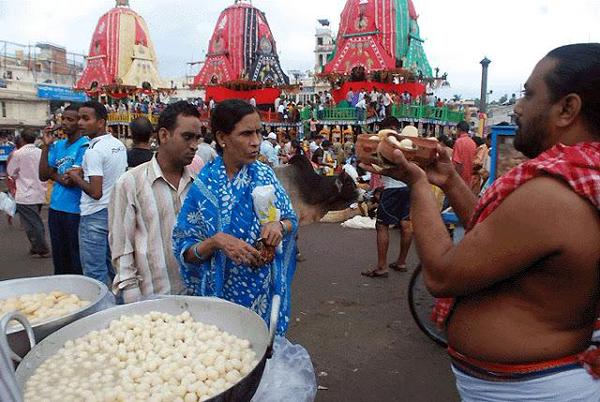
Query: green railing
[416,112]
[455,116]
[342,113]
[306,114]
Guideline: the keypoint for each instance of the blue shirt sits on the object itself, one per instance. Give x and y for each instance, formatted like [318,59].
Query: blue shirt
[62,156]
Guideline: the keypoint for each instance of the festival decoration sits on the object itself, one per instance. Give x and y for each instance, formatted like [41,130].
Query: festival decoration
[242,48]
[379,35]
[121,60]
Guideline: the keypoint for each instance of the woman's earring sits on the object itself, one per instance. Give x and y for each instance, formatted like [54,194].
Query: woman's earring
[223,146]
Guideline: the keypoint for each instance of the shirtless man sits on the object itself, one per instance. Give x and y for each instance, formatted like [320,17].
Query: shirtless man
[527,274]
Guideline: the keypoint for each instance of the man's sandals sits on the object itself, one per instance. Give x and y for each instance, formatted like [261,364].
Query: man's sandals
[398,268]
[375,273]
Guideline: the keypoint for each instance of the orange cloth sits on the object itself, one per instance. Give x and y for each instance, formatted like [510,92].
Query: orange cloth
[464,154]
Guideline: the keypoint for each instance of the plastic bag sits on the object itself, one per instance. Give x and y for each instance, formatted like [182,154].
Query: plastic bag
[264,206]
[8,204]
[289,375]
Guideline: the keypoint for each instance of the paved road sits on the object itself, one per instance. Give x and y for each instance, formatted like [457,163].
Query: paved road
[359,332]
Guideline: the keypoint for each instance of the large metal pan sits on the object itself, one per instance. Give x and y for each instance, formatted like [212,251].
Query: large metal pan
[85,288]
[230,317]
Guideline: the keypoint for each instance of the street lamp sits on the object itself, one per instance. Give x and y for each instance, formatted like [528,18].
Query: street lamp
[484,81]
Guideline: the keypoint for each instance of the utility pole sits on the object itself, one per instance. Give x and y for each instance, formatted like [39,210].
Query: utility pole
[484,81]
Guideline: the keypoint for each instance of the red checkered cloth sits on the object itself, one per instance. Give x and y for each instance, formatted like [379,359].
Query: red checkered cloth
[577,165]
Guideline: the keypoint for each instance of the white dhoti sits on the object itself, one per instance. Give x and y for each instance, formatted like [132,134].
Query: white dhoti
[574,385]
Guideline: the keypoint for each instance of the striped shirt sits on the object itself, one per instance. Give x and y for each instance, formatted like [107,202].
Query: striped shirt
[142,214]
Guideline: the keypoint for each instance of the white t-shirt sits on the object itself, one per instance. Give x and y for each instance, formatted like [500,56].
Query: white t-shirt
[387,99]
[313,146]
[388,182]
[206,152]
[106,157]
[351,171]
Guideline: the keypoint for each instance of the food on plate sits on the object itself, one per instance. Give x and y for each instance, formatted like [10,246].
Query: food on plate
[410,131]
[406,144]
[42,306]
[154,357]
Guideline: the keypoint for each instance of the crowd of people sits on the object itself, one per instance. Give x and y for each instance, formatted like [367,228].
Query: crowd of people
[519,292]
[108,203]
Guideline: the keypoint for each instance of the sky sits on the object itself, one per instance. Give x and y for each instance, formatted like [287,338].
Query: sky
[513,34]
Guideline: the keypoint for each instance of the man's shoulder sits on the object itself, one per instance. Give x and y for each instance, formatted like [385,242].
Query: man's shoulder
[547,200]
[134,177]
[59,144]
[109,143]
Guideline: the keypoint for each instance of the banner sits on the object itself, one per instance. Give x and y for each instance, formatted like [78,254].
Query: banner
[60,94]
[263,96]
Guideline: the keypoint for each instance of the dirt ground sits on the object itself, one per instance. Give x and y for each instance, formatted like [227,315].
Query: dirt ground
[358,331]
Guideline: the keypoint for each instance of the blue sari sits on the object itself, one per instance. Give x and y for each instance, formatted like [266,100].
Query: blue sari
[216,204]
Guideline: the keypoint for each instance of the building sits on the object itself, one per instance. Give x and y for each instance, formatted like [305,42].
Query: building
[501,114]
[325,45]
[34,81]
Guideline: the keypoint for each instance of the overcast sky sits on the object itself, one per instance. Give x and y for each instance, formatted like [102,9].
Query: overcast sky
[514,34]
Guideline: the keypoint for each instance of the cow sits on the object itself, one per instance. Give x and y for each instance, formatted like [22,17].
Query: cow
[314,195]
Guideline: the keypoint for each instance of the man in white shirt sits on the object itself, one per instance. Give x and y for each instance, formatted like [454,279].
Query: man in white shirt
[103,163]
[350,97]
[393,209]
[315,143]
[269,149]
[387,103]
[361,109]
[206,151]
[281,110]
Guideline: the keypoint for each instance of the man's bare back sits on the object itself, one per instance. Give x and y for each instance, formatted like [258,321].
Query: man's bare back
[546,311]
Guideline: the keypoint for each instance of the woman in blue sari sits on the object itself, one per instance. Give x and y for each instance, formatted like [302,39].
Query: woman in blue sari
[217,228]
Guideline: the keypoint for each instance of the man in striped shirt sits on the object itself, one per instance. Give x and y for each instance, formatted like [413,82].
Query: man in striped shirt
[144,206]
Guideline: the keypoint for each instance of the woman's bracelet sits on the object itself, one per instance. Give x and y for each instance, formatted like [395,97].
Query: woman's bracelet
[196,253]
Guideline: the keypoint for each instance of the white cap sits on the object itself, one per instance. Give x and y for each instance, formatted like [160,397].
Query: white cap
[272,136]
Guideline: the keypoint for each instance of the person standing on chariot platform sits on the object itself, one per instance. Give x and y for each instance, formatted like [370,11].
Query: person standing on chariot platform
[103,163]
[525,280]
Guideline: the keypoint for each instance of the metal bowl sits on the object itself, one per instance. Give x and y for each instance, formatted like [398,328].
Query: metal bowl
[230,317]
[85,288]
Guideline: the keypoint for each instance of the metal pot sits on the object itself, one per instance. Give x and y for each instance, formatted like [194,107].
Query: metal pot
[230,317]
[85,288]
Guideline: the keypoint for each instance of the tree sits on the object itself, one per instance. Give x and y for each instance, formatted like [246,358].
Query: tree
[456,97]
[503,99]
